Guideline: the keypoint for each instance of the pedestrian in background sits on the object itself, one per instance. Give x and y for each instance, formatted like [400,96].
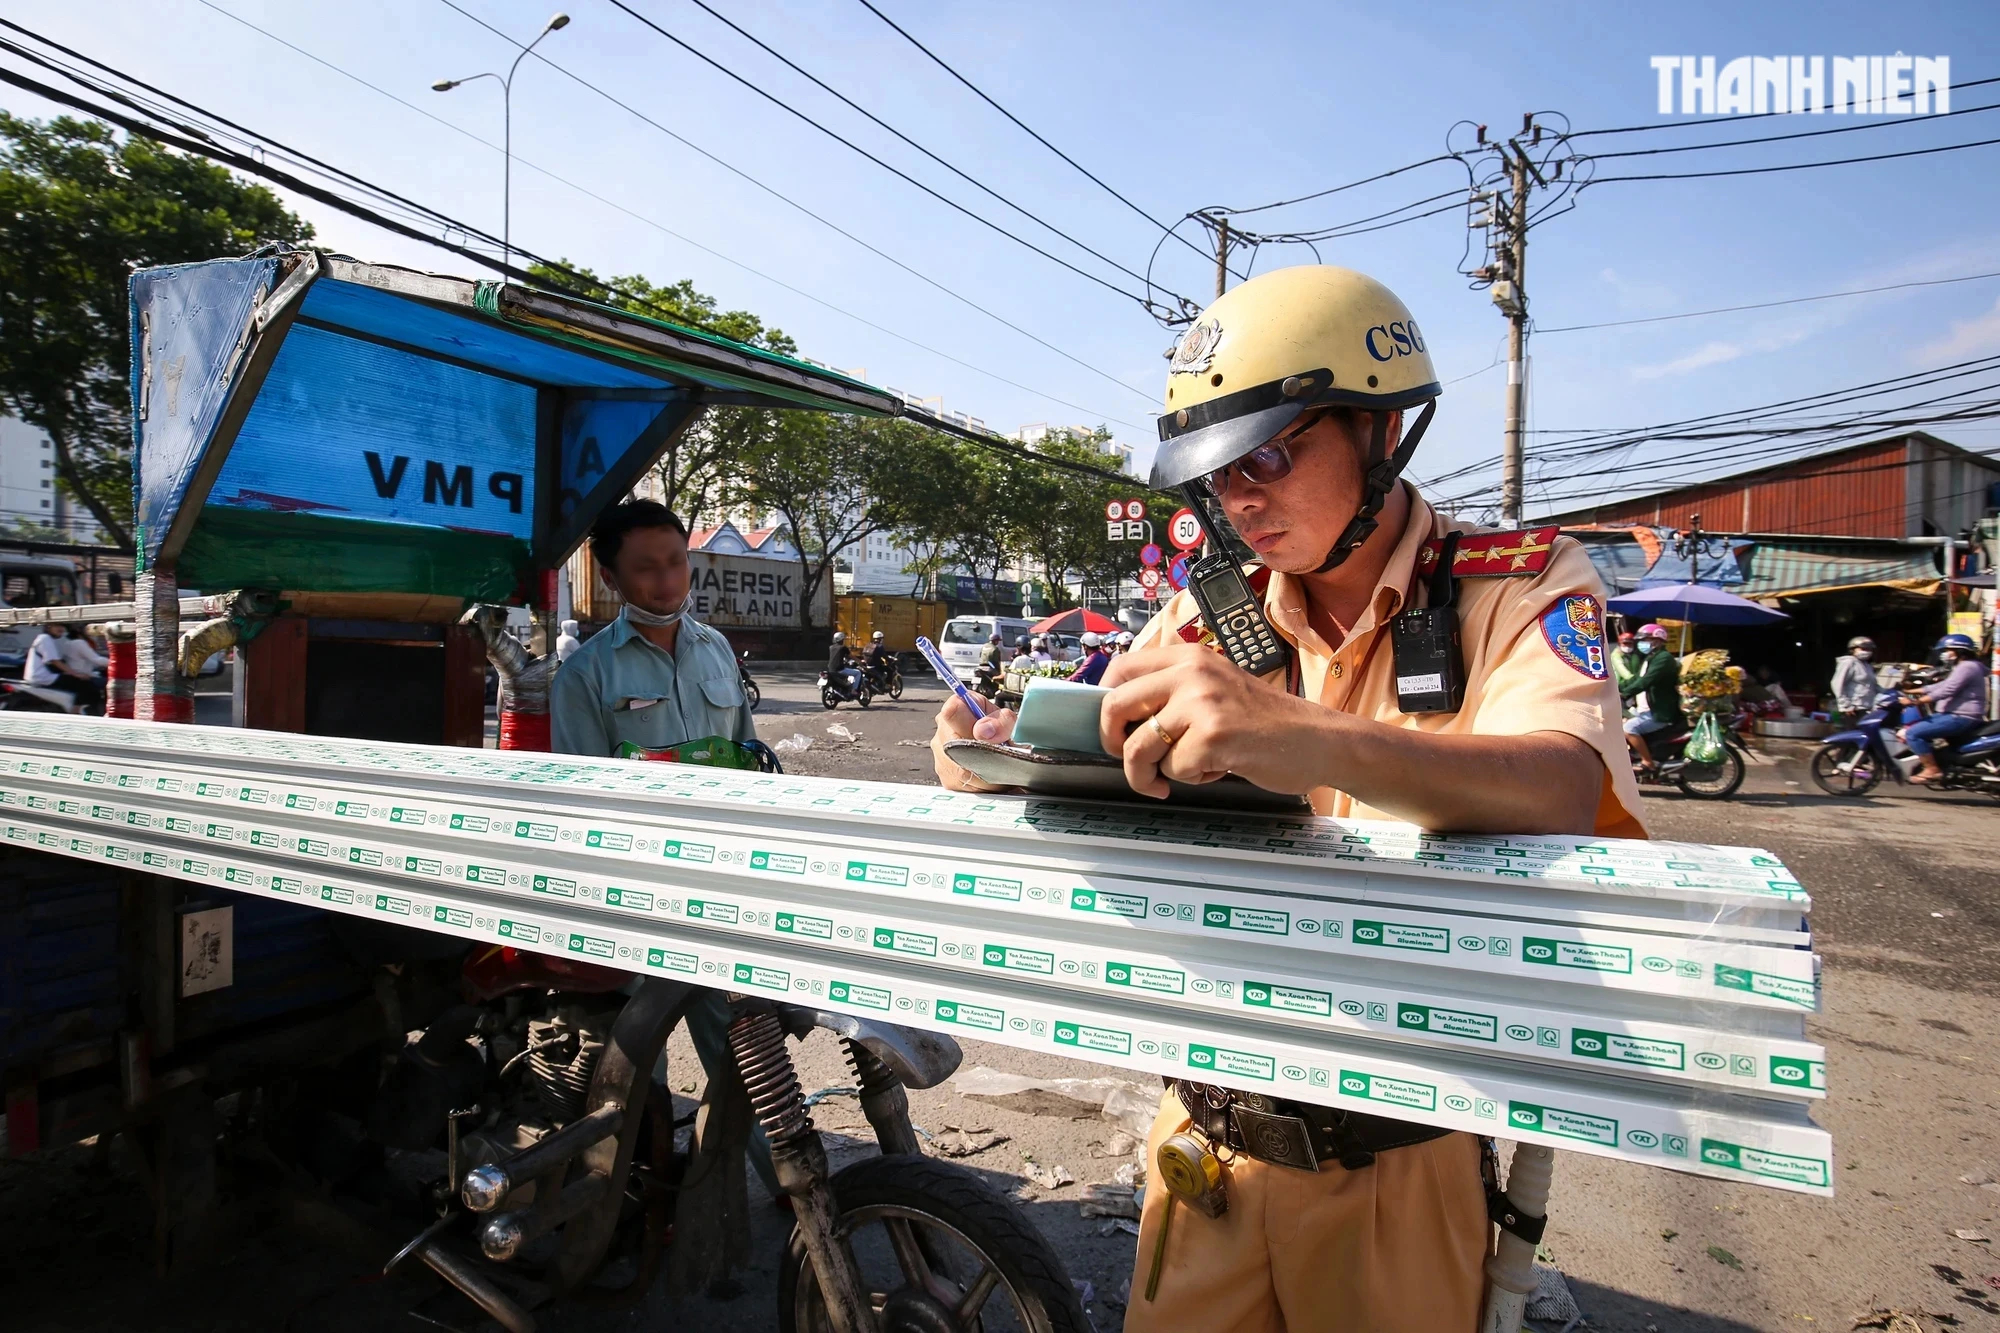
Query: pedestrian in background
[567,642]
[1854,683]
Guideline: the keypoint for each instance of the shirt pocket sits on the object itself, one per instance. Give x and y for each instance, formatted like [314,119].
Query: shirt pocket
[650,728]
[723,697]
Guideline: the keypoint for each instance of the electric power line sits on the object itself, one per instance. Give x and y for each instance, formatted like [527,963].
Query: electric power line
[1725,120]
[1795,166]
[1800,134]
[1768,305]
[789,202]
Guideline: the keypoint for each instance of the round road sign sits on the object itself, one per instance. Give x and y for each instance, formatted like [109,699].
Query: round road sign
[1177,569]
[1114,510]
[1184,529]
[1135,509]
[1149,554]
[1149,578]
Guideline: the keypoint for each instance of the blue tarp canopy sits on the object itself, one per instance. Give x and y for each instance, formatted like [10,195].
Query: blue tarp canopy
[310,422]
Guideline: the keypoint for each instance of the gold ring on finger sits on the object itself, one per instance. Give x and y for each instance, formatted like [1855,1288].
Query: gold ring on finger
[1163,733]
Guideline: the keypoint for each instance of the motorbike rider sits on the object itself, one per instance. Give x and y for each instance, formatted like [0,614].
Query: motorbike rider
[55,663]
[1957,704]
[992,661]
[1854,681]
[1039,653]
[1654,692]
[1095,660]
[1287,401]
[1125,641]
[1023,654]
[841,672]
[1625,659]
[880,659]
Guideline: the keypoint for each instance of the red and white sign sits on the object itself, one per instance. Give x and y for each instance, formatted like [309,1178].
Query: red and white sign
[1149,554]
[1150,594]
[1177,569]
[1149,578]
[1135,509]
[1115,510]
[1184,529]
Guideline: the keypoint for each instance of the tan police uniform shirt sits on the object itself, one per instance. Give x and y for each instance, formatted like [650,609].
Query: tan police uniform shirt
[1527,668]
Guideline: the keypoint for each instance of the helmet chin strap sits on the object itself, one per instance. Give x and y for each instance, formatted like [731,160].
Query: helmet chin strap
[1384,469]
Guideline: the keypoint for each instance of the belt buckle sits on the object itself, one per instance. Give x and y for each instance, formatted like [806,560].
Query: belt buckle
[1282,1140]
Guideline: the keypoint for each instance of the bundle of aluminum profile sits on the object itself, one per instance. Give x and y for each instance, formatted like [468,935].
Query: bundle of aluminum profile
[1638,1000]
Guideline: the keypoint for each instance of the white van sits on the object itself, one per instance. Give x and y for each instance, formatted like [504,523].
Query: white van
[964,638]
[29,581]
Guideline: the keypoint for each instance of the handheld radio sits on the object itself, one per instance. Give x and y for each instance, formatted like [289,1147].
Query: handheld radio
[1228,607]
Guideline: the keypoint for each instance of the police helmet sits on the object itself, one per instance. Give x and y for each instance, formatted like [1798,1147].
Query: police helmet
[1283,344]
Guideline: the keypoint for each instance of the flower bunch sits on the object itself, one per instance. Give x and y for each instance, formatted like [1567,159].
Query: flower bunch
[1708,682]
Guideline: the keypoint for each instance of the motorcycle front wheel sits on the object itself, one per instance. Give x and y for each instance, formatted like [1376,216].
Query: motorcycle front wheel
[752,693]
[865,697]
[827,697]
[938,1249]
[1712,782]
[896,686]
[1845,768]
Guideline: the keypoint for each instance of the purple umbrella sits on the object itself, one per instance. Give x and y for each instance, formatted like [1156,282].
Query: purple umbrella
[1696,603]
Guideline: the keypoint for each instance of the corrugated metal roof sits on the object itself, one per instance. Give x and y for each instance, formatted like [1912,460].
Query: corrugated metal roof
[1783,569]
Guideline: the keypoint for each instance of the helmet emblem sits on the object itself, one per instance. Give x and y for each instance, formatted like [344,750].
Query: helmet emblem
[1197,348]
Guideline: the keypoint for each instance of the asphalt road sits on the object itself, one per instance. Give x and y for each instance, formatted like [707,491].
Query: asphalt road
[1906,892]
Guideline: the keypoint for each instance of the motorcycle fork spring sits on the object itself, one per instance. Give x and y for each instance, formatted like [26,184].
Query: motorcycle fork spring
[758,1042]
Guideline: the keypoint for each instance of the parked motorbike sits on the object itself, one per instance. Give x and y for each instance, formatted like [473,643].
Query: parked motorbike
[851,687]
[885,678]
[986,679]
[1705,782]
[750,690]
[1854,762]
[529,1126]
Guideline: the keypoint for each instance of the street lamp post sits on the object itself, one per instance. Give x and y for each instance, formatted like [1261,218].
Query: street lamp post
[559,21]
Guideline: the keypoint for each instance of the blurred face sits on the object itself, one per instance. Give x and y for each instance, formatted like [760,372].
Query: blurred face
[652,570]
[1291,523]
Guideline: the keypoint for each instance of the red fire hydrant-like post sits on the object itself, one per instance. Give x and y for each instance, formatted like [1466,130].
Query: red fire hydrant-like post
[524,680]
[121,669]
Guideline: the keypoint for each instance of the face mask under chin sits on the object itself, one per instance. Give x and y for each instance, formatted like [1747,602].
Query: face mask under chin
[654,619]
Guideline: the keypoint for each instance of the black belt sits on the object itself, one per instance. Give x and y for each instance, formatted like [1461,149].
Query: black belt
[1295,1134]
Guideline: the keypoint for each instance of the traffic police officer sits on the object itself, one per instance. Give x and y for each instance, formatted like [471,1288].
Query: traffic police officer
[1286,402]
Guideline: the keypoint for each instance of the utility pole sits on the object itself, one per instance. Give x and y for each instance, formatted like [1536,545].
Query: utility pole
[1221,254]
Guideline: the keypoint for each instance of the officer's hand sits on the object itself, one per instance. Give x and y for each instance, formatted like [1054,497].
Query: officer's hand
[1187,713]
[956,723]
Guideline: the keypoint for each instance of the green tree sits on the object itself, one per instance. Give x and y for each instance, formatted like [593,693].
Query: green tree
[1062,520]
[691,470]
[80,209]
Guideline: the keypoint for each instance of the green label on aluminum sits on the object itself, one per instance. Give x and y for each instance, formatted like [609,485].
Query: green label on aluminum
[387,903]
[1085,1037]
[561,888]
[520,930]
[485,875]
[1564,953]
[260,837]
[1394,935]
[985,886]
[868,872]
[813,927]
[406,814]
[1788,1072]
[364,856]
[770,978]
[853,992]
[687,851]
[778,863]
[285,884]
[905,941]
[1291,999]
[593,946]
[300,801]
[1448,1022]
[1142,977]
[423,865]
[534,830]
[351,809]
[1257,920]
[333,893]
[708,911]
[1019,960]
[610,842]
[1396,1091]
[637,900]
[1567,1124]
[671,961]
[972,1015]
[1113,904]
[1764,1162]
[452,916]
[220,832]
[471,823]
[1763,983]
[1647,1051]
[1217,1060]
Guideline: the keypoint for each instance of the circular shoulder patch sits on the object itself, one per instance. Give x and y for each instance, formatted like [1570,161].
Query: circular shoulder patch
[1574,630]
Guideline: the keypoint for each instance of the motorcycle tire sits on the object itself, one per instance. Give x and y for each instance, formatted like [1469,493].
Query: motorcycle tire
[1712,782]
[904,1212]
[896,686]
[752,693]
[1845,769]
[27,703]
[865,697]
[828,699]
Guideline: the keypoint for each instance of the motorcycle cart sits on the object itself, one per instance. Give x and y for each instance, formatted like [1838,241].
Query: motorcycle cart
[372,462]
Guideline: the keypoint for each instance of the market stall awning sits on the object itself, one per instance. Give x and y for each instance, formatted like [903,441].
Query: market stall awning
[307,421]
[1781,568]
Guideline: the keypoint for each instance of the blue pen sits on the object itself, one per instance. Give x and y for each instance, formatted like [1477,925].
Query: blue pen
[945,673]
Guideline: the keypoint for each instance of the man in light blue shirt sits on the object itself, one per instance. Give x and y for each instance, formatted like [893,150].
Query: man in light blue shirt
[654,678]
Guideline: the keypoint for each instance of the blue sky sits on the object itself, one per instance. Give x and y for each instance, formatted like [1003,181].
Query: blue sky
[1179,106]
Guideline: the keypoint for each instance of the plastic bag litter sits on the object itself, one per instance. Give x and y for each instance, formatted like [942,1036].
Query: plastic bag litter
[839,731]
[1049,1177]
[1551,1299]
[1108,1201]
[1125,1104]
[795,743]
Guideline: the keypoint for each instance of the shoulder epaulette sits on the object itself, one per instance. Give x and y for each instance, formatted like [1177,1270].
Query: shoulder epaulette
[1493,554]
